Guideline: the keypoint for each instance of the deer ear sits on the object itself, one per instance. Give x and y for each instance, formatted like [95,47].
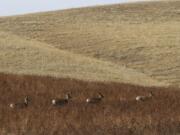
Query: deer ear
[100,94]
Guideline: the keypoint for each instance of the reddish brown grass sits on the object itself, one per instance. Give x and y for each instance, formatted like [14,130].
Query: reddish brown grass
[118,114]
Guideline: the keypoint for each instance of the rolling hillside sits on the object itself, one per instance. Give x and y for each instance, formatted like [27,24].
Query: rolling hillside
[143,36]
[122,51]
[20,56]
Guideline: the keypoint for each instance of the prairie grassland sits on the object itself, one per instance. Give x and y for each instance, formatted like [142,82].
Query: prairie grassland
[118,113]
[141,36]
[22,56]
[70,51]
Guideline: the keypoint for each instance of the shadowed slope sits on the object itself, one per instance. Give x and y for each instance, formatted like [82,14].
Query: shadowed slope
[30,57]
[142,36]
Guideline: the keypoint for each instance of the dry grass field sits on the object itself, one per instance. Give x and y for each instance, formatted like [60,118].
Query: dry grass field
[140,36]
[22,56]
[118,113]
[121,50]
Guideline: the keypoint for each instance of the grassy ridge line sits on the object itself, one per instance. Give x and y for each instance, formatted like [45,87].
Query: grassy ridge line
[30,57]
[142,36]
[118,113]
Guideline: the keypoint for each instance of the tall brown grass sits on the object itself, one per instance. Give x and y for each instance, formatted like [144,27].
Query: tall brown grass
[119,113]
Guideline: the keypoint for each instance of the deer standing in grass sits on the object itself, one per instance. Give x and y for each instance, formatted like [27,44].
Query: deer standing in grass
[142,98]
[61,102]
[20,105]
[94,100]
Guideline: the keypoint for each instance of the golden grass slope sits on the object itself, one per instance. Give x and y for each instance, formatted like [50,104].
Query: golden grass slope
[22,56]
[143,36]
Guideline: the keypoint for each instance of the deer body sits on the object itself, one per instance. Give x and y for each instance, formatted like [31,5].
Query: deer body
[20,105]
[142,98]
[94,100]
[61,102]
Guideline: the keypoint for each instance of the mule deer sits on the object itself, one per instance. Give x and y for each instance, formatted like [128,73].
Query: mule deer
[61,102]
[142,98]
[20,104]
[94,100]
